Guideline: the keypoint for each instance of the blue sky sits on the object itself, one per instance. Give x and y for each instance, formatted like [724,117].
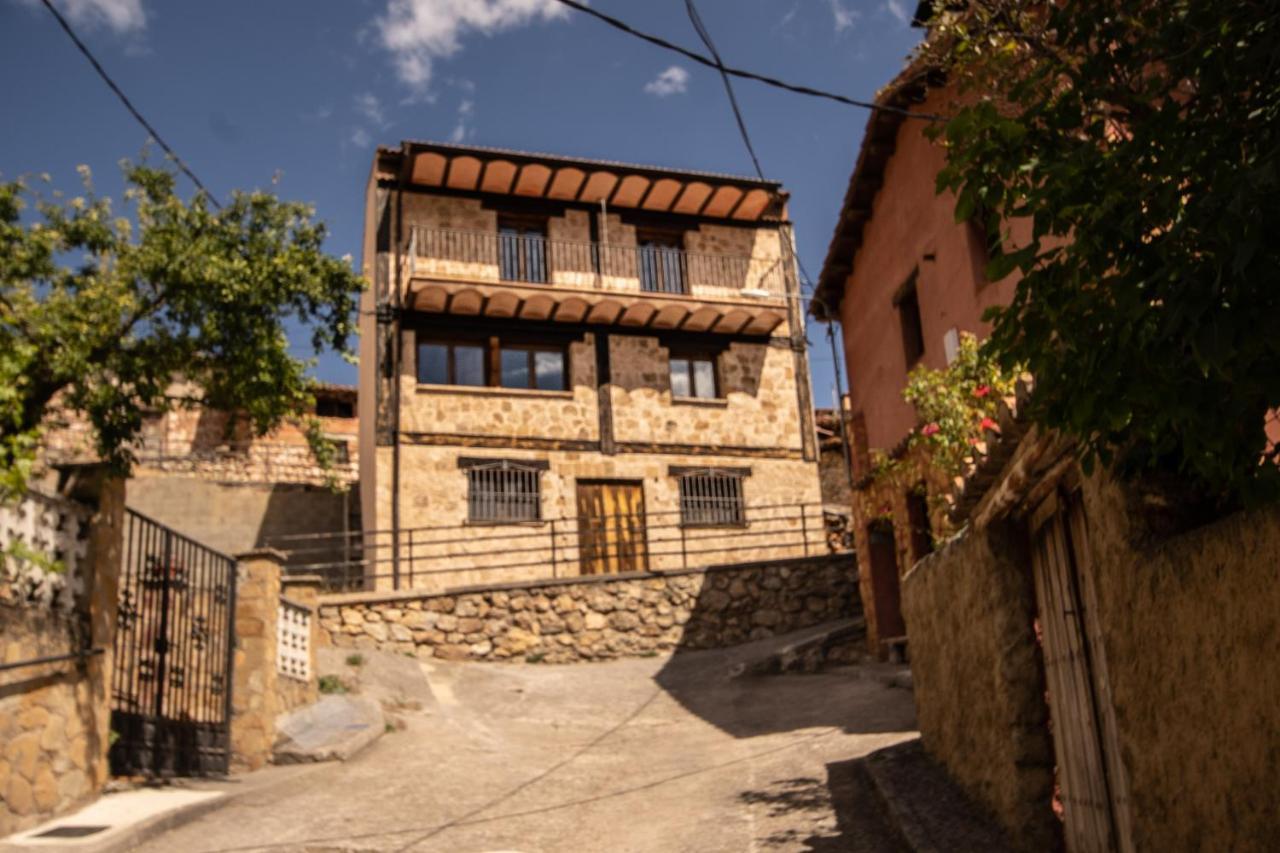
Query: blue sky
[303,91]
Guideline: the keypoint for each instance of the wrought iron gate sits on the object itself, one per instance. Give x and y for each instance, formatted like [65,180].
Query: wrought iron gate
[175,633]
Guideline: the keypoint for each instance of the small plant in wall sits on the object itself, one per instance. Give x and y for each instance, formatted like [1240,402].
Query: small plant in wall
[957,405]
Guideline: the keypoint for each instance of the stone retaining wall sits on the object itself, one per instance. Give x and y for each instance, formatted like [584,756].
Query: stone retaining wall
[602,617]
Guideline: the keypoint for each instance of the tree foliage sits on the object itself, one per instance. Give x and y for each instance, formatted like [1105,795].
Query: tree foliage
[100,313]
[1138,143]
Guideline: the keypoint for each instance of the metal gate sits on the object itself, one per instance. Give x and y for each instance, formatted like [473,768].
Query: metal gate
[175,633]
[1091,778]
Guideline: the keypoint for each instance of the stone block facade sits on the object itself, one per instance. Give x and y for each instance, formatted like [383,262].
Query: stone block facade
[598,618]
[55,718]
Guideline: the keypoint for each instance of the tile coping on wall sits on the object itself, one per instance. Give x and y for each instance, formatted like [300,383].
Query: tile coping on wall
[373,596]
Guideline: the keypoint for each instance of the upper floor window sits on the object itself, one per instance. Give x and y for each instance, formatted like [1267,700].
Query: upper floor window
[333,407]
[451,362]
[522,249]
[908,304]
[694,375]
[661,260]
[494,361]
[536,366]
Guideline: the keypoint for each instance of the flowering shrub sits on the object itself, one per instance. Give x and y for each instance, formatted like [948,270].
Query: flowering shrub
[957,405]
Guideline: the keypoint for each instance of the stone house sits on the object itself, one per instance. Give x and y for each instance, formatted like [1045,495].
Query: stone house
[200,470]
[573,367]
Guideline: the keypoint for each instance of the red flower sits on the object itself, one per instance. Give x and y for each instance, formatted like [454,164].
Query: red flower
[929,429]
[988,424]
[982,391]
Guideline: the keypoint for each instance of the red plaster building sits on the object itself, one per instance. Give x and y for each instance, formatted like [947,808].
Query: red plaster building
[905,280]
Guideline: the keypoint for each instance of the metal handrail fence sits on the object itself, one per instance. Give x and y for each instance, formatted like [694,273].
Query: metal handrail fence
[534,259]
[551,548]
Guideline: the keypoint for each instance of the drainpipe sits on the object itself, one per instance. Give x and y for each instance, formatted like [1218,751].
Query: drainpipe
[397,356]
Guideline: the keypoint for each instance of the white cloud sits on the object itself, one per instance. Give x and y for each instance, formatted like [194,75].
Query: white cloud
[360,138]
[463,128]
[121,16]
[673,81]
[899,10]
[418,32]
[368,105]
[844,16]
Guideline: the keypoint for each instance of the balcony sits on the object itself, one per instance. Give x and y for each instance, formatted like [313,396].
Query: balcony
[511,274]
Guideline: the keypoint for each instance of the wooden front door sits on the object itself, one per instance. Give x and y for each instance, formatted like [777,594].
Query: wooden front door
[885,584]
[611,528]
[1091,778]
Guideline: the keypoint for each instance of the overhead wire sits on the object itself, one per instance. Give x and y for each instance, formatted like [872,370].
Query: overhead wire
[795,88]
[128,104]
[701,29]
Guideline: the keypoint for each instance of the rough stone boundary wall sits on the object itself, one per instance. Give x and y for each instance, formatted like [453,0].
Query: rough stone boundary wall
[599,617]
[55,718]
[969,609]
[1191,629]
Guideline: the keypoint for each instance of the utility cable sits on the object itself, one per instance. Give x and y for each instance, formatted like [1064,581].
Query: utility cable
[701,30]
[795,88]
[124,99]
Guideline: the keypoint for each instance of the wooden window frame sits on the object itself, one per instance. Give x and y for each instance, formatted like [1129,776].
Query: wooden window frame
[691,355]
[492,345]
[531,349]
[907,303]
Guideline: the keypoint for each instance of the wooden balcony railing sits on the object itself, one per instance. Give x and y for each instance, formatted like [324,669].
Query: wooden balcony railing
[528,259]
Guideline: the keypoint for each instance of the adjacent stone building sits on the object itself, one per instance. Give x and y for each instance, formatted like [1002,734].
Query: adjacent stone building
[577,367]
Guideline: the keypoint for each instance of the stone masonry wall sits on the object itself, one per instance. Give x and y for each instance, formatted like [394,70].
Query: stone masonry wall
[600,617]
[1191,629]
[55,718]
[969,610]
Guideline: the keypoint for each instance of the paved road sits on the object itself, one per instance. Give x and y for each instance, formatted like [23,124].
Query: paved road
[645,755]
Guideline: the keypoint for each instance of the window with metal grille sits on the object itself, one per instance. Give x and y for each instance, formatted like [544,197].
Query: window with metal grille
[711,498]
[503,491]
[661,259]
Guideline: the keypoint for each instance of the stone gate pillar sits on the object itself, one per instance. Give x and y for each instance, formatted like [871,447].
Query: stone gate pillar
[255,701]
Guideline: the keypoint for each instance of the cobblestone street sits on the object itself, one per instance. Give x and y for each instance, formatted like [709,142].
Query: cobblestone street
[652,754]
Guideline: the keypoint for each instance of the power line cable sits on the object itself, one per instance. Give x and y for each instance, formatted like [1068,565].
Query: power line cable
[798,89]
[124,99]
[701,30]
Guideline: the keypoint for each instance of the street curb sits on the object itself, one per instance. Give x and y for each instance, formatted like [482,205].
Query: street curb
[133,836]
[926,808]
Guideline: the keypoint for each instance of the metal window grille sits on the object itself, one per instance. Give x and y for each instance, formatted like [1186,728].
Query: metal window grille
[293,641]
[522,256]
[711,498]
[503,492]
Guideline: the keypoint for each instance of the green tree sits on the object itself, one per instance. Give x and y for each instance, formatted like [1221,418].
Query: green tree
[1139,143]
[100,313]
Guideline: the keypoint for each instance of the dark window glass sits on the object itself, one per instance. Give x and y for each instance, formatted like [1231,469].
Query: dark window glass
[515,368]
[921,527]
[522,252]
[661,260]
[908,304]
[327,407]
[548,370]
[433,364]
[468,364]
